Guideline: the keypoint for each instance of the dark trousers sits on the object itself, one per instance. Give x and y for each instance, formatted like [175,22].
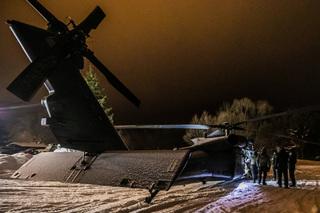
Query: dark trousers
[254,172]
[264,170]
[284,172]
[292,178]
[274,172]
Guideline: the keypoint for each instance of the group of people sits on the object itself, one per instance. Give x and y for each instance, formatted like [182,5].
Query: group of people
[282,161]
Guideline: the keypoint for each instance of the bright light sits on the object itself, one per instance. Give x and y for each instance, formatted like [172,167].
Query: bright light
[242,186]
[18,107]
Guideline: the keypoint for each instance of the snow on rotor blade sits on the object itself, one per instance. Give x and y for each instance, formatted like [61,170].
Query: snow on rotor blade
[166,126]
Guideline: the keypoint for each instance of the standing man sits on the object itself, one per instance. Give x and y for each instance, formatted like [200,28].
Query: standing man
[282,163]
[253,164]
[274,164]
[292,166]
[263,163]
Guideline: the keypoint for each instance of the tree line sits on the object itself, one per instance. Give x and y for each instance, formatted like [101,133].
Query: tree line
[300,130]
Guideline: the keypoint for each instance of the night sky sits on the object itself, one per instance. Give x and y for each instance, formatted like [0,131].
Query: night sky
[185,56]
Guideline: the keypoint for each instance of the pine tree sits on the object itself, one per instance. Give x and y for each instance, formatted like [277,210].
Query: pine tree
[93,82]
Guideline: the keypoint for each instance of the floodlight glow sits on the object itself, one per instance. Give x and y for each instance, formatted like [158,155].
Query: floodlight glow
[18,107]
[203,175]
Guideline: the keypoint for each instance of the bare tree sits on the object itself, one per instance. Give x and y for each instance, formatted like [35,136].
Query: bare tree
[300,131]
[205,119]
[240,110]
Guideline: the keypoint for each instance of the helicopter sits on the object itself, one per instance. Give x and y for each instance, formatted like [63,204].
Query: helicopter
[78,122]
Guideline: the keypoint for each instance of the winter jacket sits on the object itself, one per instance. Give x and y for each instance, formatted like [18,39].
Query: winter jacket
[274,160]
[263,160]
[253,159]
[292,161]
[282,160]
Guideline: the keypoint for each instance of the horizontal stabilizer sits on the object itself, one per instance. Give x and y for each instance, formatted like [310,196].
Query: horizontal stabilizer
[136,169]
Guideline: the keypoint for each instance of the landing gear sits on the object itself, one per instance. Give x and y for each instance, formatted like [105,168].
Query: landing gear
[76,171]
[87,158]
[153,193]
[83,162]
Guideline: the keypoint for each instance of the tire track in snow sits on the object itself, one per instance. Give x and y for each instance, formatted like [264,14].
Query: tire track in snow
[241,196]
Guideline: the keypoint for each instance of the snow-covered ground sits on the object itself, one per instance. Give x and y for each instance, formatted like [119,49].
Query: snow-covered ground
[239,196]
[10,163]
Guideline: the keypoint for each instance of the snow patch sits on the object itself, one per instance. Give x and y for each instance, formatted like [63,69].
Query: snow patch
[13,162]
[240,196]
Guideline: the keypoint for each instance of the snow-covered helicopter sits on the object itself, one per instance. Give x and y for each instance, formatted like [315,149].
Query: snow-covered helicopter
[78,121]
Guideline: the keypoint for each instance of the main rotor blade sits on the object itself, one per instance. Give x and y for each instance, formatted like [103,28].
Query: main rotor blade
[114,81]
[49,17]
[220,126]
[229,127]
[41,10]
[31,79]
[164,126]
[290,112]
[284,136]
[92,21]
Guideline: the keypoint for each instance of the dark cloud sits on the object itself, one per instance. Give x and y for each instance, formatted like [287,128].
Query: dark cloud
[182,57]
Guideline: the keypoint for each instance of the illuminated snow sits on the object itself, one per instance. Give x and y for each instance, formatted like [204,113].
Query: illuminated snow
[242,186]
[241,196]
